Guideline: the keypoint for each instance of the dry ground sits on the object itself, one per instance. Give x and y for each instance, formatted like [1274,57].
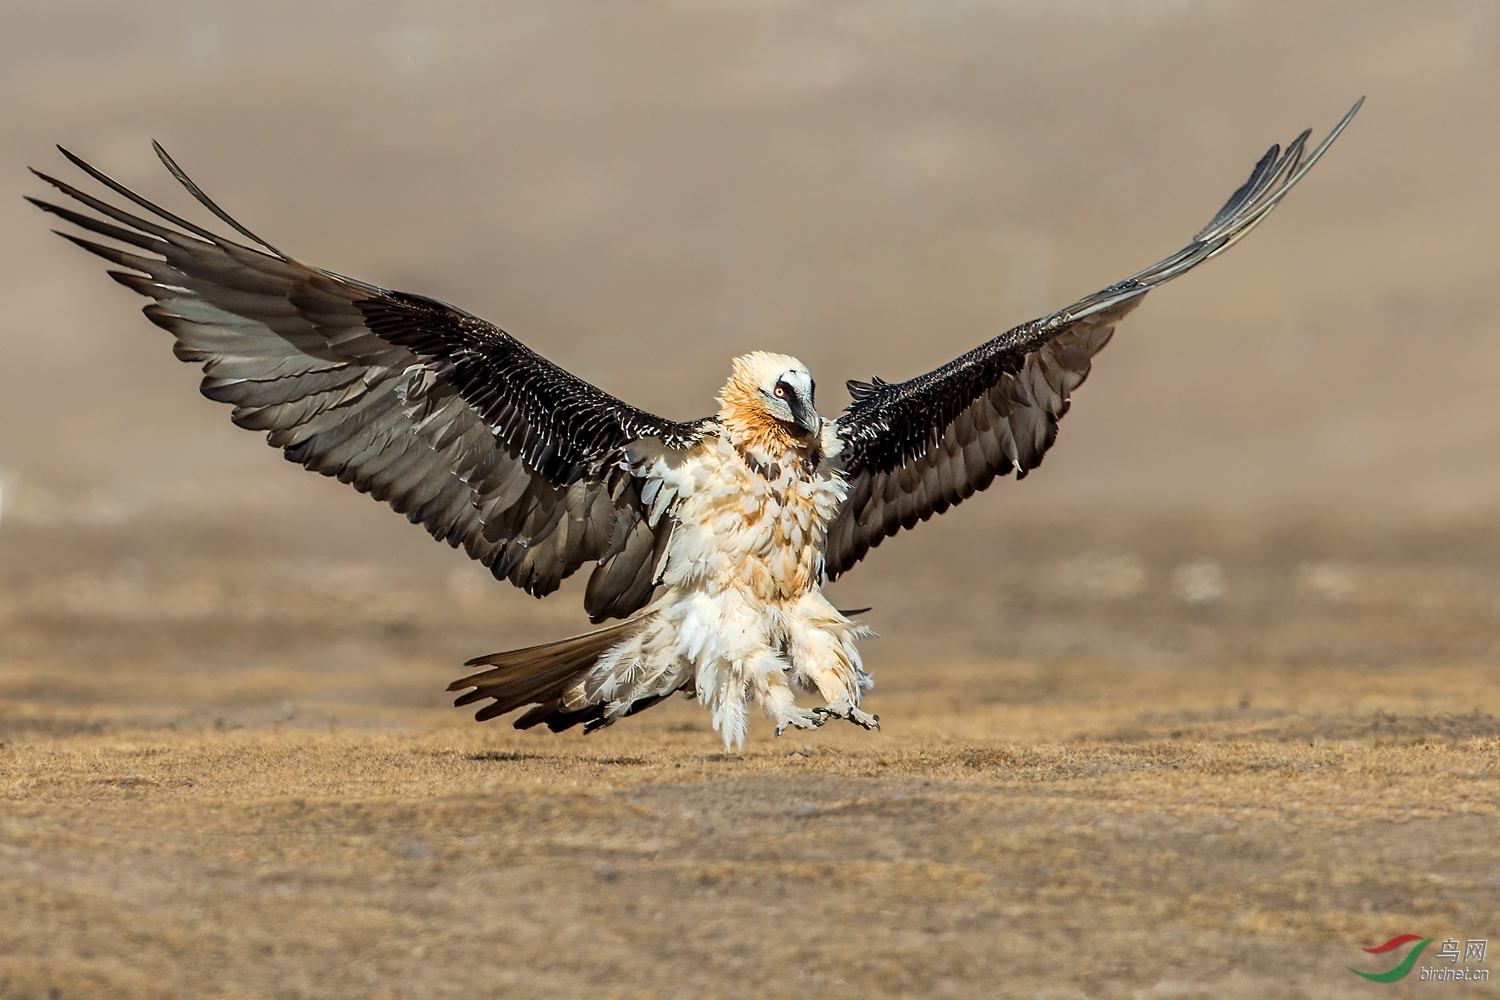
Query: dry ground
[245,785]
[1214,852]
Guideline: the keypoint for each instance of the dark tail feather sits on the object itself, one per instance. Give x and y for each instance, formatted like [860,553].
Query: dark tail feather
[539,675]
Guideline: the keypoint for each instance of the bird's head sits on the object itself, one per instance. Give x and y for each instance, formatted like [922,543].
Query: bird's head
[768,403]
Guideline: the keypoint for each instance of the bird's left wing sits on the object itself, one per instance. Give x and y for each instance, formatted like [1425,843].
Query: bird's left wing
[454,422]
[913,449]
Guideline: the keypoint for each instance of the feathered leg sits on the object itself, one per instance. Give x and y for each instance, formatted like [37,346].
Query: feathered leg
[824,658]
[727,687]
[768,683]
[727,639]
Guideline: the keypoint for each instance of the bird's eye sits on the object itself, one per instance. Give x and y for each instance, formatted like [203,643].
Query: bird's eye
[780,391]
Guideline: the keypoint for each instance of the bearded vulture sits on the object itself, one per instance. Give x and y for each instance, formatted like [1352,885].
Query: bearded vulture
[710,540]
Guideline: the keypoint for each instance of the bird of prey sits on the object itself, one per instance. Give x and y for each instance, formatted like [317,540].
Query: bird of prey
[710,540]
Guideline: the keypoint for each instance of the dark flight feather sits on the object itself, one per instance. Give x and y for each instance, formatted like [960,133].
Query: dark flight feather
[913,449]
[446,417]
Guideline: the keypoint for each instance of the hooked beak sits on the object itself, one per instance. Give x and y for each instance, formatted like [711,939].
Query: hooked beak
[804,415]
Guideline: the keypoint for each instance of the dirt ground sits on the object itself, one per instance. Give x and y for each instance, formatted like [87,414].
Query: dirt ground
[1207,704]
[218,782]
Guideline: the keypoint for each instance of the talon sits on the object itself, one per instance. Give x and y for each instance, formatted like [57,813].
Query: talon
[852,714]
[803,718]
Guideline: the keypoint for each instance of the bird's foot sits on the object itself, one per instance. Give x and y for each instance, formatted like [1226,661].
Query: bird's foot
[797,717]
[843,710]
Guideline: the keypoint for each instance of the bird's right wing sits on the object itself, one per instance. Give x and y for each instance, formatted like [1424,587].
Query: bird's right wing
[455,423]
[913,449]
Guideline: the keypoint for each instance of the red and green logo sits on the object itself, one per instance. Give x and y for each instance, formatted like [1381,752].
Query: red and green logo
[1405,965]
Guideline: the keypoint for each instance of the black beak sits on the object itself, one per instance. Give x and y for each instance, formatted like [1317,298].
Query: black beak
[803,414]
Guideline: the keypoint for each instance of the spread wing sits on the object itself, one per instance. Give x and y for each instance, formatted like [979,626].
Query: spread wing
[446,417]
[915,448]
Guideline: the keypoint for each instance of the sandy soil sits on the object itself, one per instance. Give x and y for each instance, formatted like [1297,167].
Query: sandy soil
[1201,708]
[1160,834]
[226,775]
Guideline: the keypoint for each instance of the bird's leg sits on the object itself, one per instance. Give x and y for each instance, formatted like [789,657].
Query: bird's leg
[797,717]
[823,650]
[768,680]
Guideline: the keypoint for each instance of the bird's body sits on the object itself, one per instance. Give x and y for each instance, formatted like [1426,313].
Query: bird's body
[741,617]
[711,540]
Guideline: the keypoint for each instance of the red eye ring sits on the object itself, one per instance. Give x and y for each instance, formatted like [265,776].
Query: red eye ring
[780,392]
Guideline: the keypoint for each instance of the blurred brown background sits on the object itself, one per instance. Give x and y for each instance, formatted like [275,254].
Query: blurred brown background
[1286,463]
[642,191]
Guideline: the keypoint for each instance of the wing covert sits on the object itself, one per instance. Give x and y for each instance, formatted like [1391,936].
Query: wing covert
[444,416]
[913,449]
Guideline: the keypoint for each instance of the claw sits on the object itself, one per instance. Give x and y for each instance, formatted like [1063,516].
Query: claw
[803,718]
[852,714]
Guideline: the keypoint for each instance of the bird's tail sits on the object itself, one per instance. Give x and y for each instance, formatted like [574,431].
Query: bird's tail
[543,677]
